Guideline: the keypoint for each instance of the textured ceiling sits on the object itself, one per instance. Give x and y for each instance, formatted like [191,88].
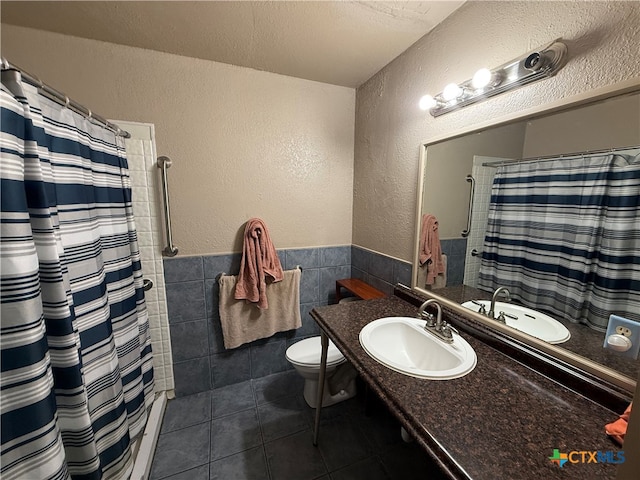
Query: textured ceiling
[336,42]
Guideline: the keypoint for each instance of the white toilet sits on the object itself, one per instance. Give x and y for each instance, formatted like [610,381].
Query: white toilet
[305,357]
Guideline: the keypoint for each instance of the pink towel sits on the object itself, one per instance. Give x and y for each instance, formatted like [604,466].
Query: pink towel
[430,249]
[618,429]
[259,260]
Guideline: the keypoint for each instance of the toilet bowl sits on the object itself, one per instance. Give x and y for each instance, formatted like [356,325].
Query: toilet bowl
[305,358]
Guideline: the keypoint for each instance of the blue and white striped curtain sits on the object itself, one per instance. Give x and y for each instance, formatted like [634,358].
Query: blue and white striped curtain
[564,236]
[76,359]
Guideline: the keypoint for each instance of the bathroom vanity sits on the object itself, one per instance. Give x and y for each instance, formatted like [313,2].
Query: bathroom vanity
[502,420]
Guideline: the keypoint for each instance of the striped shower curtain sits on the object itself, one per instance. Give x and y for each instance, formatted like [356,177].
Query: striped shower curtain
[564,236]
[76,358]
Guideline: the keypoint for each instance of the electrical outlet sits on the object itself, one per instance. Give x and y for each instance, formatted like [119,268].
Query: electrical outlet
[623,331]
[629,329]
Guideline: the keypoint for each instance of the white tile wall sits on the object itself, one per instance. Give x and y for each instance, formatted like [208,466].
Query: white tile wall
[481,201]
[141,155]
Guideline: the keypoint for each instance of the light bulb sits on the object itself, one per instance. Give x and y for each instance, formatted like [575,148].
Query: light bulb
[451,92]
[481,78]
[427,102]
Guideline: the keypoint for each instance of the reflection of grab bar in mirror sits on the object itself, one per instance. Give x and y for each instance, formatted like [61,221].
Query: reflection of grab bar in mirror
[170,250]
[465,232]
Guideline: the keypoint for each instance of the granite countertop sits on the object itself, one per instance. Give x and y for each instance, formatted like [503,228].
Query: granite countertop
[584,341]
[502,420]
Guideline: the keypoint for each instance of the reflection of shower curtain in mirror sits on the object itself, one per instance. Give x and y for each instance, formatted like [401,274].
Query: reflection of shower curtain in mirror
[564,236]
[76,357]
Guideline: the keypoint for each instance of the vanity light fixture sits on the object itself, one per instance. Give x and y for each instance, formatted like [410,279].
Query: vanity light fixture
[542,63]
[452,92]
[427,102]
[485,78]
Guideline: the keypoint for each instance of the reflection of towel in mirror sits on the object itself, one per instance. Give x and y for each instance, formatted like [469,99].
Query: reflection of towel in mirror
[430,251]
[440,281]
[242,322]
[618,428]
[259,259]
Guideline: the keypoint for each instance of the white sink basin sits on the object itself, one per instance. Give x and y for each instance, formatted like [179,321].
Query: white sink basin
[402,344]
[529,321]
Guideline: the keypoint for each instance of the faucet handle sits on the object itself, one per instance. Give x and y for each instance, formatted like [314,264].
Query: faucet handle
[430,318]
[482,310]
[447,330]
[452,328]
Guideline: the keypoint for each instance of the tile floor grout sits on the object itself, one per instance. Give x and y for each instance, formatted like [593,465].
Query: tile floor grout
[356,445]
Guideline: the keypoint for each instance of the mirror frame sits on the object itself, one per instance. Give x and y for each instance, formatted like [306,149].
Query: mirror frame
[601,371]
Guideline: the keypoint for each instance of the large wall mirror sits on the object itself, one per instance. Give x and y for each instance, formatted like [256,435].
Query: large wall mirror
[607,120]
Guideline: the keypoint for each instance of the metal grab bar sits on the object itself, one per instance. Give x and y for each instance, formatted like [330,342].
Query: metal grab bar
[163,164]
[466,231]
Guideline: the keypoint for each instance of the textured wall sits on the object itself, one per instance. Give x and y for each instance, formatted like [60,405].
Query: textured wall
[614,123]
[602,38]
[244,143]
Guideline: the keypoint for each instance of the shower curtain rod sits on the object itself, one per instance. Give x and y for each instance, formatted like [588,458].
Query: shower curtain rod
[62,99]
[562,155]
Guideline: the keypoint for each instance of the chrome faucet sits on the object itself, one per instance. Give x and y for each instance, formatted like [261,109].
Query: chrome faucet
[436,325]
[432,321]
[499,290]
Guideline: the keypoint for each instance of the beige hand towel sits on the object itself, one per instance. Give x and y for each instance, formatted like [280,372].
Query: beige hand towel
[243,322]
[439,282]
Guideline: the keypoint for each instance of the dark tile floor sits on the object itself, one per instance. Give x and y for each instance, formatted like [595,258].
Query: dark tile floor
[262,430]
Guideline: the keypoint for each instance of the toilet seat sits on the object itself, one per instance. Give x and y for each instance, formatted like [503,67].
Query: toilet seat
[307,352]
